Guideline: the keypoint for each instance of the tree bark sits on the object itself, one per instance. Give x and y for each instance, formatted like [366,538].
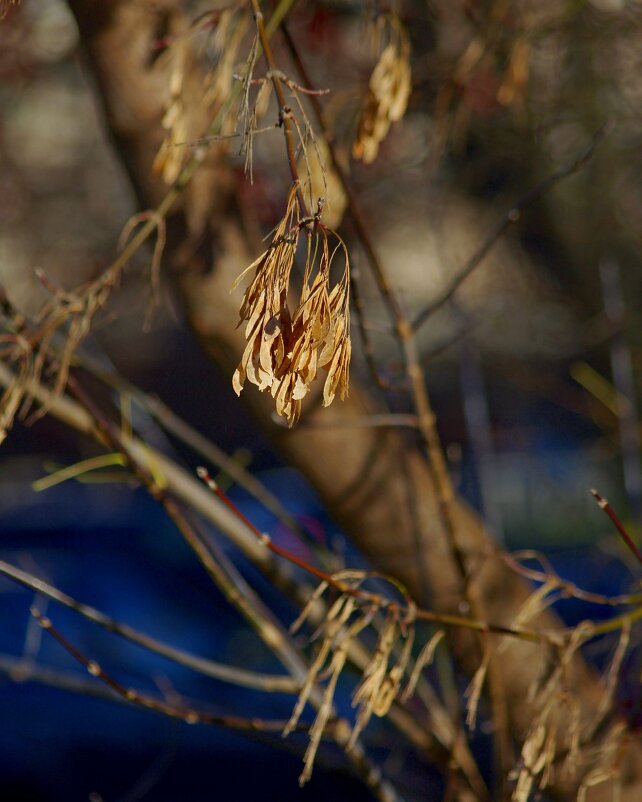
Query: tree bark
[375,482]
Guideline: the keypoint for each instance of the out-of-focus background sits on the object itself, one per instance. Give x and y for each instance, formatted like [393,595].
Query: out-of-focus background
[533,367]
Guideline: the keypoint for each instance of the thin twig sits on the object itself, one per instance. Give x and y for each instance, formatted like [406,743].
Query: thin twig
[285,121]
[15,669]
[191,714]
[209,668]
[549,576]
[368,597]
[614,624]
[621,529]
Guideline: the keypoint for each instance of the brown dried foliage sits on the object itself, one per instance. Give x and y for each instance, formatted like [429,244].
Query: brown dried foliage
[388,93]
[286,349]
[382,677]
[170,157]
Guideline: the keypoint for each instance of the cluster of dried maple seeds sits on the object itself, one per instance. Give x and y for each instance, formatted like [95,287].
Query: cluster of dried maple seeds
[285,350]
[388,93]
[384,673]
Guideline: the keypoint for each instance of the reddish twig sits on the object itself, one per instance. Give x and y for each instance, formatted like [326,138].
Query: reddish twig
[621,530]
[369,597]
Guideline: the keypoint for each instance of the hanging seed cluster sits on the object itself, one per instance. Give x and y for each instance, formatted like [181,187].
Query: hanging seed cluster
[382,676]
[285,349]
[229,27]
[388,94]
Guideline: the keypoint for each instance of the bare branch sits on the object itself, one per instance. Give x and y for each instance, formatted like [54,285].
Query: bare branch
[209,668]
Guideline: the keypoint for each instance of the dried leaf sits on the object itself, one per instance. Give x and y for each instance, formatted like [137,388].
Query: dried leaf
[171,155]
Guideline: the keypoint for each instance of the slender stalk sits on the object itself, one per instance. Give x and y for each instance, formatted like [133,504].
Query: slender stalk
[568,589]
[191,714]
[621,529]
[209,668]
[76,470]
[284,110]
[366,596]
[614,624]
[15,669]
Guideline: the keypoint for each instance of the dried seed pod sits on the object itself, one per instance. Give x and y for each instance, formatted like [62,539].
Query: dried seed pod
[170,157]
[388,93]
[231,28]
[344,620]
[285,350]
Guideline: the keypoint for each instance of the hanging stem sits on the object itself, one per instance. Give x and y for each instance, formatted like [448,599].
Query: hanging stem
[285,121]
